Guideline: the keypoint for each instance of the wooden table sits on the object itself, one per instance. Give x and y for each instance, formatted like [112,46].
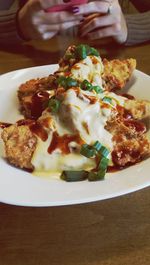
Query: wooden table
[110,232]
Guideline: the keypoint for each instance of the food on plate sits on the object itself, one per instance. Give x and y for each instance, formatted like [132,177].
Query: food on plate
[80,63]
[78,127]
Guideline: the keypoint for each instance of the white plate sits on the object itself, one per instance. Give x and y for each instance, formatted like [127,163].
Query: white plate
[21,188]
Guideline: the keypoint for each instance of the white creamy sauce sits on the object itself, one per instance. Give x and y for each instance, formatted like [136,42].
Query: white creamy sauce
[57,162]
[88,70]
[78,114]
[88,119]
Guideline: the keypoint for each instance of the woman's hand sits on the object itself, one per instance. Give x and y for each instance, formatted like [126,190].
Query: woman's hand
[102,19]
[35,23]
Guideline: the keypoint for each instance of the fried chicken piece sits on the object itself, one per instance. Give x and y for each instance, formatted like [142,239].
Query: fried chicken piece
[34,94]
[31,86]
[20,144]
[117,73]
[131,151]
[140,109]
[131,143]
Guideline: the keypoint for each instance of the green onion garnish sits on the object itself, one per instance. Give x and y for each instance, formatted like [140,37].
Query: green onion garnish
[61,81]
[93,51]
[103,163]
[97,89]
[94,176]
[71,82]
[66,82]
[86,85]
[72,176]
[107,99]
[87,150]
[97,145]
[104,151]
[81,52]
[54,105]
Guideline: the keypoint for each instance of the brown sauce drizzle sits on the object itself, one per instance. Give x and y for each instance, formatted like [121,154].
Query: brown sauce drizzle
[92,99]
[39,130]
[24,122]
[121,156]
[76,90]
[94,60]
[126,114]
[62,142]
[115,168]
[4,125]
[39,103]
[67,73]
[138,126]
[128,96]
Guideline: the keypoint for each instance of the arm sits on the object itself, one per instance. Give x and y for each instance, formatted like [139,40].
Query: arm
[138,28]
[8,29]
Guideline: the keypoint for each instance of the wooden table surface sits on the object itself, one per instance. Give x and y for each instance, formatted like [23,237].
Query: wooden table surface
[111,232]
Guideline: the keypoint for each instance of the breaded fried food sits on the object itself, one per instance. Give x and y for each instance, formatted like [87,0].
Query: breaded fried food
[31,86]
[117,73]
[35,92]
[80,63]
[140,109]
[20,144]
[131,143]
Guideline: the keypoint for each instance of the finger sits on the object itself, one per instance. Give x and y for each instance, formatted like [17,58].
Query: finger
[92,7]
[44,4]
[56,17]
[42,29]
[48,35]
[109,31]
[97,22]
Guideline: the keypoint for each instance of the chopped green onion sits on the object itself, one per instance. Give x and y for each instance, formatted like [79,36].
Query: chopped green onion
[71,176]
[104,151]
[93,51]
[54,105]
[81,52]
[61,81]
[97,89]
[71,82]
[66,82]
[107,99]
[94,176]
[97,145]
[86,85]
[87,150]
[103,163]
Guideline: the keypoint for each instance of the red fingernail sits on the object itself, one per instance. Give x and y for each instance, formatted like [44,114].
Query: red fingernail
[66,1]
